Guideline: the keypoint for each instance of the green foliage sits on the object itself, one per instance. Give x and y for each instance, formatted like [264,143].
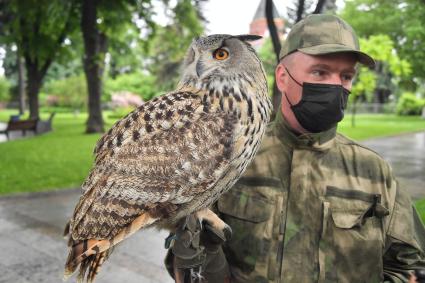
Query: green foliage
[390,68]
[381,48]
[126,52]
[401,20]
[170,43]
[70,92]
[267,56]
[409,104]
[39,27]
[124,22]
[138,83]
[364,85]
[4,89]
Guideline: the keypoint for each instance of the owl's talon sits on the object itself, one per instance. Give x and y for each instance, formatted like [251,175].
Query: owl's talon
[186,221]
[227,231]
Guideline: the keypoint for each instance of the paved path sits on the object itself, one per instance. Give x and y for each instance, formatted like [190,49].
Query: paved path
[406,154]
[31,225]
[32,248]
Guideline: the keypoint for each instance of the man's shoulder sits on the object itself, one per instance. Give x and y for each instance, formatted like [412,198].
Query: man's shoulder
[362,151]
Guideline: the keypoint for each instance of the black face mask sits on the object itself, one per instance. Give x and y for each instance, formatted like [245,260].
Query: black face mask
[321,106]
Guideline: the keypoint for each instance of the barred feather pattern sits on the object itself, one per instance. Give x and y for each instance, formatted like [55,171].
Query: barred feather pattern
[171,157]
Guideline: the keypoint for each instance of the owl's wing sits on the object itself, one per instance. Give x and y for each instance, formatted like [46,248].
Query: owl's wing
[160,156]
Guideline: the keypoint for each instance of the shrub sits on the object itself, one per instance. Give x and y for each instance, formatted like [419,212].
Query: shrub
[125,99]
[137,83]
[409,104]
[4,89]
[69,92]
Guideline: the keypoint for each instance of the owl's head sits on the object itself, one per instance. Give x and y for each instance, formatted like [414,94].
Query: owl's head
[222,57]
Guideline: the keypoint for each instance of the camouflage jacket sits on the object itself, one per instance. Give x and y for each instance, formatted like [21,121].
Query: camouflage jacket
[320,208]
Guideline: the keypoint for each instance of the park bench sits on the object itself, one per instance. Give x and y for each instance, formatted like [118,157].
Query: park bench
[35,125]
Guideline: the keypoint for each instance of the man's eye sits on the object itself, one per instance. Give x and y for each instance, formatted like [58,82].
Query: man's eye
[347,77]
[318,73]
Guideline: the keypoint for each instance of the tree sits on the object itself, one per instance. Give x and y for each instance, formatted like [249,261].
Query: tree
[401,20]
[95,47]
[38,29]
[276,95]
[102,22]
[170,43]
[4,89]
[368,81]
[303,8]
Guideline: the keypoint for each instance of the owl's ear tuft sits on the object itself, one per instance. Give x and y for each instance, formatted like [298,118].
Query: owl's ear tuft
[248,37]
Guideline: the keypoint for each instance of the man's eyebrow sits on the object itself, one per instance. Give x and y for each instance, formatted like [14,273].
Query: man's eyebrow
[327,67]
[320,65]
[350,70]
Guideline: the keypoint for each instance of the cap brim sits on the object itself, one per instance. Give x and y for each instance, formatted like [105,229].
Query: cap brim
[362,57]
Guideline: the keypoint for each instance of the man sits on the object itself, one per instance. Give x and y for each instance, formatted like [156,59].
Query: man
[314,206]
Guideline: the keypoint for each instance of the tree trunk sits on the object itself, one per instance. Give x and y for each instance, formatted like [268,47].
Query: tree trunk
[276,95]
[34,81]
[21,83]
[319,7]
[300,10]
[95,46]
[353,113]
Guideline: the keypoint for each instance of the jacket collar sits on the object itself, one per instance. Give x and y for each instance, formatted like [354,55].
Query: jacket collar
[314,141]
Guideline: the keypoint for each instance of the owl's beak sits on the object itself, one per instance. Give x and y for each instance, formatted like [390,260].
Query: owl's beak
[199,68]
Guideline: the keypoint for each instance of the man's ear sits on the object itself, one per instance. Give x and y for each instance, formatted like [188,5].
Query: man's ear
[281,77]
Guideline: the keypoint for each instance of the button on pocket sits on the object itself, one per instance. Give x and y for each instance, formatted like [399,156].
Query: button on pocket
[353,240]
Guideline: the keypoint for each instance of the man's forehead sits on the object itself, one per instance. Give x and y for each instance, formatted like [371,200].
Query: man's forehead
[345,59]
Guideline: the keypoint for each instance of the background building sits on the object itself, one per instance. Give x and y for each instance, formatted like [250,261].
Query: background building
[258,24]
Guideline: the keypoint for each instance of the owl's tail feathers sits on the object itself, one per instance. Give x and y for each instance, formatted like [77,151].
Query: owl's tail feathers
[91,254]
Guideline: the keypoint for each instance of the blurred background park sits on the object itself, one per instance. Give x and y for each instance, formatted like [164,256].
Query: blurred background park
[69,69]
[92,62]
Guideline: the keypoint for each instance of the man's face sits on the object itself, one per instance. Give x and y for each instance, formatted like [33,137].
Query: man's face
[337,68]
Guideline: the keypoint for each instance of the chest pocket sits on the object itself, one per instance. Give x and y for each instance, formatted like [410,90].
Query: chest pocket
[352,236]
[249,208]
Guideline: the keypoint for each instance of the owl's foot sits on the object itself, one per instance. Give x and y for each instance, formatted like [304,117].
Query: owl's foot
[218,226]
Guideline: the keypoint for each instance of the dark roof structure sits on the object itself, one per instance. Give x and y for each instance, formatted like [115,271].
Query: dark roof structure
[261,11]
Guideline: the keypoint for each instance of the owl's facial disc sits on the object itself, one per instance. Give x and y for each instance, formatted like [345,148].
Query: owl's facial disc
[203,66]
[220,57]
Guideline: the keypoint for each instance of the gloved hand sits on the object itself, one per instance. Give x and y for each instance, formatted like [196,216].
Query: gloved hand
[196,252]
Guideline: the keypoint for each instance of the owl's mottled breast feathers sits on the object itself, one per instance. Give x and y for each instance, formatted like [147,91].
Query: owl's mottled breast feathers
[166,151]
[176,154]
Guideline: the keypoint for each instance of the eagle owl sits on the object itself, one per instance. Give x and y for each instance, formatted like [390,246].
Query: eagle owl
[176,154]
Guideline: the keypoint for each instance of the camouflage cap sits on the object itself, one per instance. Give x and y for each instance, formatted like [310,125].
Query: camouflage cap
[323,34]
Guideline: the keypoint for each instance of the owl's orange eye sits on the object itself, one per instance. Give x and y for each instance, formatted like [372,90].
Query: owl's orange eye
[221,54]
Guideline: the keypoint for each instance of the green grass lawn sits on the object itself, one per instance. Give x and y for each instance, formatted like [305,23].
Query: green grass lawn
[420,206]
[62,158]
[59,159]
[378,125]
